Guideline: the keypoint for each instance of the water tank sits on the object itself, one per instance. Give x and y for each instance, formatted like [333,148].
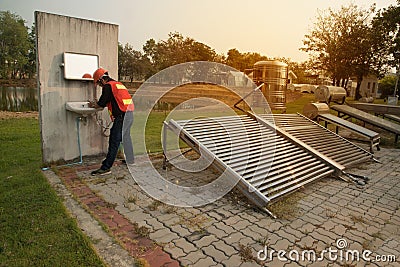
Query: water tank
[274,75]
[327,94]
[312,110]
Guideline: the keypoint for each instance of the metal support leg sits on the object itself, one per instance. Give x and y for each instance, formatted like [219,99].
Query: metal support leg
[269,213]
[164,145]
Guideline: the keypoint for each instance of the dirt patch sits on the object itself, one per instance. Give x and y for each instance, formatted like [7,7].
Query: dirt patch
[16,115]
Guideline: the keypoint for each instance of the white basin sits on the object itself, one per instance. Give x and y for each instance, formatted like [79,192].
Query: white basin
[81,108]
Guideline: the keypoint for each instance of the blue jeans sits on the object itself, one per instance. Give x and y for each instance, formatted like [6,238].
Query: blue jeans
[114,141]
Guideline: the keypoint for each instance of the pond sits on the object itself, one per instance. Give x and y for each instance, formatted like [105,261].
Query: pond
[18,99]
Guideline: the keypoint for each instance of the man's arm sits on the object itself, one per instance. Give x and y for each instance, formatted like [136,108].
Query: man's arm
[106,96]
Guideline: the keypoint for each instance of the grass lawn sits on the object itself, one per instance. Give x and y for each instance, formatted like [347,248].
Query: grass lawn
[35,228]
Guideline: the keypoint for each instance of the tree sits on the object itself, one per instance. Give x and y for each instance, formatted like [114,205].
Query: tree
[386,85]
[243,61]
[14,45]
[132,63]
[387,28]
[300,69]
[175,50]
[386,25]
[343,44]
[30,66]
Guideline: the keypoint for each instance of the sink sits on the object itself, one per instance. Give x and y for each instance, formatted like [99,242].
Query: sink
[81,108]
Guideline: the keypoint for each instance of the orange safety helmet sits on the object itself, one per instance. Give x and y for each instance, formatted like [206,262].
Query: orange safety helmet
[98,74]
[87,76]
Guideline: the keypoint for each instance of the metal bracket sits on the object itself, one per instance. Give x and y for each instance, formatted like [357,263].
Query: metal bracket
[357,179]
[243,98]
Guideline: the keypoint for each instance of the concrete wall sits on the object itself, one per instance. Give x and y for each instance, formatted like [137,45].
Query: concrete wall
[57,34]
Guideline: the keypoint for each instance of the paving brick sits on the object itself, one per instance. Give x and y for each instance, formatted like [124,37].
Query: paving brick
[178,229]
[307,241]
[217,232]
[247,241]
[234,238]
[325,239]
[314,219]
[319,211]
[216,215]
[250,233]
[205,262]
[205,241]
[233,260]
[282,244]
[273,238]
[168,238]
[249,216]
[225,248]
[185,245]
[284,233]
[330,234]
[175,251]
[216,254]
[155,224]
[328,225]
[307,228]
[276,262]
[258,231]
[249,264]
[297,224]
[231,221]
[224,211]
[240,225]
[192,258]
[229,230]
[159,233]
[340,230]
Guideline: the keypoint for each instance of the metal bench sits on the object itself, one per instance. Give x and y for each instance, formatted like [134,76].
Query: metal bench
[377,108]
[344,110]
[392,117]
[373,137]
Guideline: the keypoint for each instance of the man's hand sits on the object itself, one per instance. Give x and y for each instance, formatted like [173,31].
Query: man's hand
[93,104]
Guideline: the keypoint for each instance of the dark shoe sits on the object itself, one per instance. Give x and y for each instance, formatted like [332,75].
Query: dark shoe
[101,172]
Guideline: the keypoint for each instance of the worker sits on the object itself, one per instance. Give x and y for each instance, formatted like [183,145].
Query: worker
[119,103]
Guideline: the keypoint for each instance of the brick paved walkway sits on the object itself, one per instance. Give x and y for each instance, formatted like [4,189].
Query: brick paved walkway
[230,232]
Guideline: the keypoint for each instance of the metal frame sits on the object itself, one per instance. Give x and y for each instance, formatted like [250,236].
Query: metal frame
[298,160]
[262,180]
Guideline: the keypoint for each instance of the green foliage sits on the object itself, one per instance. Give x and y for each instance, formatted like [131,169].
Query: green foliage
[387,27]
[133,64]
[35,229]
[242,61]
[338,40]
[160,55]
[175,50]
[387,85]
[15,46]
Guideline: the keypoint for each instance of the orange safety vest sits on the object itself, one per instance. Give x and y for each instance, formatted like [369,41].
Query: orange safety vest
[122,96]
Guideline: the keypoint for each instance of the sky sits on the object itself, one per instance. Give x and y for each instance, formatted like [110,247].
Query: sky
[271,28]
